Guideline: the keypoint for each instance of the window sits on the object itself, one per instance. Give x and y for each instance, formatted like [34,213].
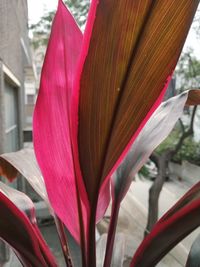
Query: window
[30,99]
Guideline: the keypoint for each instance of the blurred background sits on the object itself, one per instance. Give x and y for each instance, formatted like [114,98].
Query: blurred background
[24,32]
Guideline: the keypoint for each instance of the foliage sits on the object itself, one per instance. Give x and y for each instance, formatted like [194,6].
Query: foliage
[79,10]
[196,23]
[169,142]
[190,149]
[187,77]
[92,108]
[188,71]
[144,171]
[41,29]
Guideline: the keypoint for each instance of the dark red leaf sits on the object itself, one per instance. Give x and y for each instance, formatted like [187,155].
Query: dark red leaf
[23,237]
[176,224]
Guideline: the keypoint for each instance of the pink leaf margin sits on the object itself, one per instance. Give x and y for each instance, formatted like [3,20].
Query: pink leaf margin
[51,124]
[40,253]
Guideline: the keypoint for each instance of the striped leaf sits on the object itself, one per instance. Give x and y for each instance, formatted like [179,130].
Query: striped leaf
[52,122]
[132,48]
[96,94]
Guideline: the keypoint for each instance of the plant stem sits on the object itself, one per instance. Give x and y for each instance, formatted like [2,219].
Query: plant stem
[63,241]
[92,235]
[111,234]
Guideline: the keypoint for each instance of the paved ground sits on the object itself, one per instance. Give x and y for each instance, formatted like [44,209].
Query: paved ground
[131,224]
[172,191]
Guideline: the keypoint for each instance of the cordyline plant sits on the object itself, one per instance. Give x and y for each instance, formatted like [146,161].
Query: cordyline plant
[99,107]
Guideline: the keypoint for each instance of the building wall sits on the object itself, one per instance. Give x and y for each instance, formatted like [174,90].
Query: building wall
[14,35]
[15,57]
[2,110]
[30,96]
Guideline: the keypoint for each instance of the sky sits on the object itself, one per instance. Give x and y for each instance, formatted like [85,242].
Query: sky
[38,7]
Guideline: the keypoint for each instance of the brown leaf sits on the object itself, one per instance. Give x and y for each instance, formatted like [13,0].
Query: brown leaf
[134,47]
[24,162]
[193,98]
[7,170]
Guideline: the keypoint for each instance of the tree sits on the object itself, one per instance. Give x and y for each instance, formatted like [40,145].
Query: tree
[196,23]
[188,71]
[188,77]
[41,29]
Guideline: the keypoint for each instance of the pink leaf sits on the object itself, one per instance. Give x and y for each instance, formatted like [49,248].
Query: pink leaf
[56,125]
[52,120]
[23,236]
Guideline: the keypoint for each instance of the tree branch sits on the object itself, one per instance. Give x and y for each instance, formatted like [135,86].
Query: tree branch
[185,134]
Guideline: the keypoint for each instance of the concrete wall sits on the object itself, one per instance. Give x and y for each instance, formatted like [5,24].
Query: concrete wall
[187,171]
[14,55]
[2,109]
[14,35]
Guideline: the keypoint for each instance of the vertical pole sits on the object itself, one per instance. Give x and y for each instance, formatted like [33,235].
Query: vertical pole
[4,250]
[2,111]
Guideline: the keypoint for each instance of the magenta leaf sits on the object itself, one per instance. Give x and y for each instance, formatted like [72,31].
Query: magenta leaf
[52,120]
[55,127]
[23,236]
[21,200]
[96,129]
